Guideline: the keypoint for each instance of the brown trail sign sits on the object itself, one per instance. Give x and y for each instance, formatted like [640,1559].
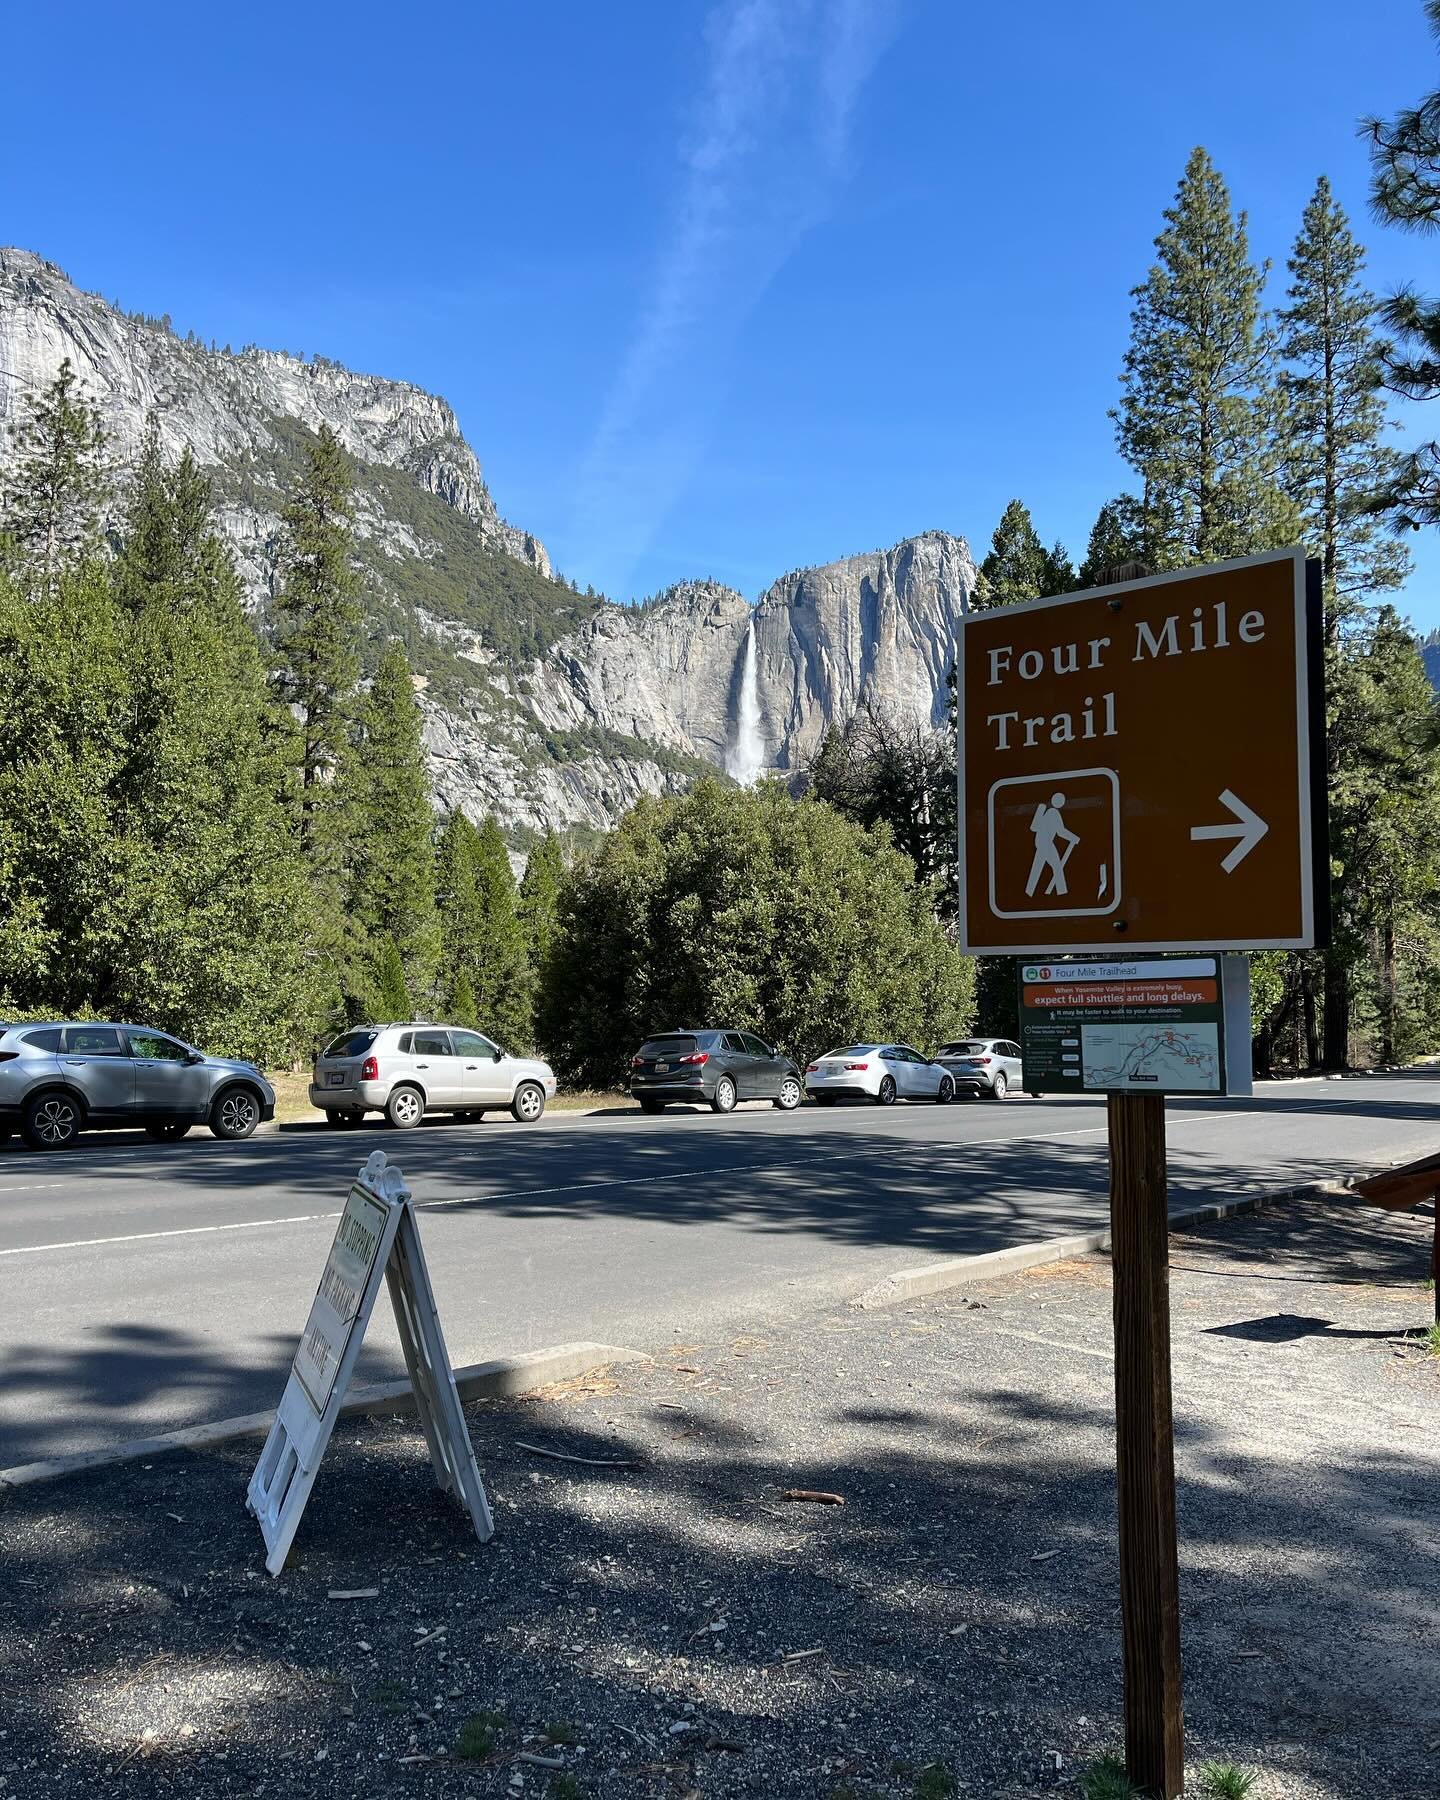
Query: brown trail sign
[1141,771]
[1142,765]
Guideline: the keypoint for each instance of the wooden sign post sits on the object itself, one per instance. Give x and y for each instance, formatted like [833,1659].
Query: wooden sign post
[1140,773]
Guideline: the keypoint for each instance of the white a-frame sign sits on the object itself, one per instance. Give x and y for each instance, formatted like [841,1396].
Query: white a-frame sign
[377,1235]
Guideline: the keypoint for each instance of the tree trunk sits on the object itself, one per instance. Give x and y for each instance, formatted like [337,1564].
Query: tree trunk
[1336,1052]
[1388,993]
[1312,1029]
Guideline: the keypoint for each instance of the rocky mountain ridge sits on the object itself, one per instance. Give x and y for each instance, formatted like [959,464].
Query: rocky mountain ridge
[548,708]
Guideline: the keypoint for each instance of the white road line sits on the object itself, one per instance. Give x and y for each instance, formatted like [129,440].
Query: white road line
[582,1187]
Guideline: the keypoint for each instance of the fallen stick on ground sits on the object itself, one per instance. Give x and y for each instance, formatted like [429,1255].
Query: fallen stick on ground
[592,1462]
[814,1495]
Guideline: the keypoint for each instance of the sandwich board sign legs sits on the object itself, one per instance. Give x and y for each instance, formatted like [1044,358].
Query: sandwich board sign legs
[376,1239]
[1140,773]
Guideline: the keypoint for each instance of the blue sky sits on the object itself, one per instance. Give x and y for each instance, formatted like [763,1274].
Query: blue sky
[715,290]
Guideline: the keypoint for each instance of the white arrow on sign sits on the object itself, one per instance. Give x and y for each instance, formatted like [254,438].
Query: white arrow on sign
[1247,833]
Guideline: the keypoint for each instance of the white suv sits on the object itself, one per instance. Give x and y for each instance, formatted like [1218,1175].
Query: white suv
[406,1071]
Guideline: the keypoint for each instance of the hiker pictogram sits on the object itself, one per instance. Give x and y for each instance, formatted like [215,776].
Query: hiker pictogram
[1049,830]
[1055,844]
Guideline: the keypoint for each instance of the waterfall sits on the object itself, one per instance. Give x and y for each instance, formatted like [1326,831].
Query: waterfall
[746,759]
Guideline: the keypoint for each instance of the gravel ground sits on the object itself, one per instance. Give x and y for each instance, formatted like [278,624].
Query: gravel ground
[676,1628]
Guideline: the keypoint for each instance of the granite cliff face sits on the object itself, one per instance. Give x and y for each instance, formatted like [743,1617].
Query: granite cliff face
[548,708]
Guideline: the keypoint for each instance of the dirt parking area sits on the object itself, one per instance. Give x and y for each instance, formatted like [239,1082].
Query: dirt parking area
[671,1625]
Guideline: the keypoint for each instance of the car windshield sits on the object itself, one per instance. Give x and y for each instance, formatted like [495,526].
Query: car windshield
[353,1043]
[674,1044]
[852,1050]
[975,1049]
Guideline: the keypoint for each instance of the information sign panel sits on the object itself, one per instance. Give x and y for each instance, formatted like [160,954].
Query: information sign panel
[377,1236]
[335,1310]
[1178,1025]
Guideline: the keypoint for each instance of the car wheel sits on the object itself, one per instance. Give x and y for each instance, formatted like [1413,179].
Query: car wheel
[886,1096]
[529,1102]
[790,1095]
[652,1106]
[405,1108]
[51,1121]
[1001,1086]
[167,1131]
[945,1093]
[235,1114]
[724,1101]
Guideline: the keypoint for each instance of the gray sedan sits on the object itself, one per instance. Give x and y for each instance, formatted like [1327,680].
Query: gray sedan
[57,1080]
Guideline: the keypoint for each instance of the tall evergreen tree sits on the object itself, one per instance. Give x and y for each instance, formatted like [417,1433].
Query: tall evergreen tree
[540,898]
[1199,421]
[317,643]
[499,966]
[462,922]
[1018,564]
[1117,537]
[1385,829]
[390,995]
[215,904]
[55,484]
[1057,573]
[392,895]
[1405,191]
[1335,411]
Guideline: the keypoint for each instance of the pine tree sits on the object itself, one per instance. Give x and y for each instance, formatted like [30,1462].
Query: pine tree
[392,894]
[1057,574]
[462,922]
[391,995]
[1385,828]
[1200,419]
[1116,538]
[499,965]
[64,697]
[317,632]
[55,484]
[1018,564]
[1335,411]
[540,898]
[214,904]
[461,1010]
[1405,191]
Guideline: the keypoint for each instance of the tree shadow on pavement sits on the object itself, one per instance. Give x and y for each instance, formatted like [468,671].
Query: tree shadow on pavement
[961,1606]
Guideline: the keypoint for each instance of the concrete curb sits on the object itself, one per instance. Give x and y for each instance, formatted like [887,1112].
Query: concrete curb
[502,1379]
[939,1277]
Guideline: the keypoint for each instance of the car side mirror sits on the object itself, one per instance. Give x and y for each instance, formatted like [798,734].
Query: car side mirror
[194,1056]
[497,1055]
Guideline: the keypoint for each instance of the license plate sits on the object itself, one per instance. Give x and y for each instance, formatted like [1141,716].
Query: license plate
[337,1078]
[662,1068]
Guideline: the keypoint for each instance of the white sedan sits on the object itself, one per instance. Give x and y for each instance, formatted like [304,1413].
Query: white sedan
[883,1073]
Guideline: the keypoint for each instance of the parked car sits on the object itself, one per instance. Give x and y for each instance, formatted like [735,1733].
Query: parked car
[405,1071]
[989,1066]
[718,1067]
[884,1073]
[59,1079]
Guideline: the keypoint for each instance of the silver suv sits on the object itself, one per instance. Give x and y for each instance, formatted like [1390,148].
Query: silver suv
[989,1066]
[405,1071]
[58,1079]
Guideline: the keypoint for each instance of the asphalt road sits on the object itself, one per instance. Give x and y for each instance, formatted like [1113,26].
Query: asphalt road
[146,1287]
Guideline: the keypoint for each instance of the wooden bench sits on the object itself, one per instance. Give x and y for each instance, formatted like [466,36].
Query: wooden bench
[1397,1190]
